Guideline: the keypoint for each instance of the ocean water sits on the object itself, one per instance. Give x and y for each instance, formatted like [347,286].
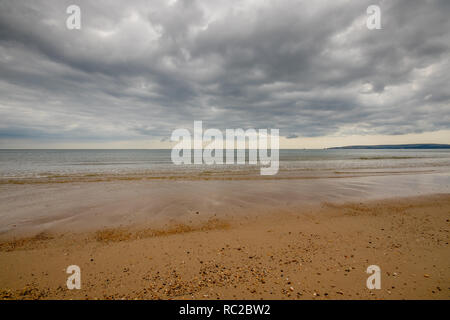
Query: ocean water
[58,190]
[68,165]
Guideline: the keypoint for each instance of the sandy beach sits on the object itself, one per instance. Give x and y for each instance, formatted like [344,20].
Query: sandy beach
[225,150]
[309,232]
[316,251]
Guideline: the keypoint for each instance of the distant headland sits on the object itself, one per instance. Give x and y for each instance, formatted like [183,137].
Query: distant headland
[398,146]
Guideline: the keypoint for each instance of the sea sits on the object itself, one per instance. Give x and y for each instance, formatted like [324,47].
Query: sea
[37,165]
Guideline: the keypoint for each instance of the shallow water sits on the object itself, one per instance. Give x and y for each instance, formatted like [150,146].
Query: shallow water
[81,189]
[66,165]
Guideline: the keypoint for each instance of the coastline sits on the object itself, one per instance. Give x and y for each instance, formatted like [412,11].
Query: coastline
[31,209]
[235,151]
[319,252]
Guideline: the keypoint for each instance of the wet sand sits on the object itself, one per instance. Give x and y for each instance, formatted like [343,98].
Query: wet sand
[317,251]
[30,209]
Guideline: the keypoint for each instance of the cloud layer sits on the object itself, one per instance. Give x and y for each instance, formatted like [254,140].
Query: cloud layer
[140,69]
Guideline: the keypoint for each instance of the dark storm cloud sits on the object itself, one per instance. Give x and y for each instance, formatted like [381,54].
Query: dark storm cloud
[140,69]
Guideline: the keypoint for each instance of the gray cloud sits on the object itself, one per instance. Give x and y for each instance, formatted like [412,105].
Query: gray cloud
[140,69]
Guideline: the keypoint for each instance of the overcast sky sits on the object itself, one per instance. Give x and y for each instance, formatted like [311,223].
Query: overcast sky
[137,70]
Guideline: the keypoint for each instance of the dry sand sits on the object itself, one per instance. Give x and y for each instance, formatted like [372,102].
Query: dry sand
[315,252]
